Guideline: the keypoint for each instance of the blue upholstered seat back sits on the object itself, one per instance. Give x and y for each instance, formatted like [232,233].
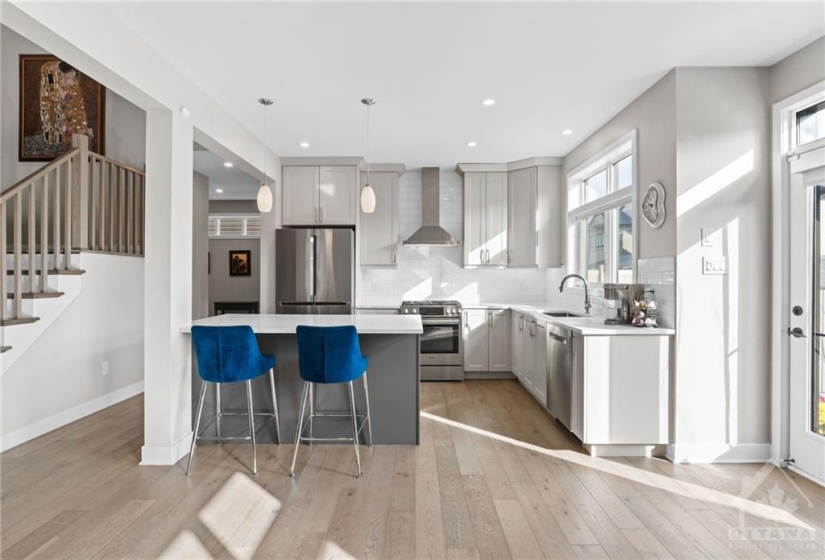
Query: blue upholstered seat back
[329,354]
[227,354]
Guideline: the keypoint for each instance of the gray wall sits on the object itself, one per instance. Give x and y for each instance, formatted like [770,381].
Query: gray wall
[223,287]
[798,71]
[723,322]
[125,122]
[654,115]
[235,207]
[200,246]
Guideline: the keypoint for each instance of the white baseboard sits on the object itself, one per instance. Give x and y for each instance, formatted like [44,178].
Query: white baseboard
[719,453]
[61,419]
[623,450]
[165,455]
[489,375]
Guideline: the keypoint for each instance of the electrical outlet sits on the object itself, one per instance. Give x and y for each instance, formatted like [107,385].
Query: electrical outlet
[714,265]
[104,368]
[375,286]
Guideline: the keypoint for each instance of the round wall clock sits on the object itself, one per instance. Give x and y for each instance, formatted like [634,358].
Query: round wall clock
[653,205]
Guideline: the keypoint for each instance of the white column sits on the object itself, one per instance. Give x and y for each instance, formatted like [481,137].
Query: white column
[168,288]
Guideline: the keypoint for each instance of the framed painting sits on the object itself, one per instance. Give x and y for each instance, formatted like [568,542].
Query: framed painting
[56,102]
[240,263]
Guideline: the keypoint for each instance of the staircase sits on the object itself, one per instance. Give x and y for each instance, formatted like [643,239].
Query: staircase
[80,202]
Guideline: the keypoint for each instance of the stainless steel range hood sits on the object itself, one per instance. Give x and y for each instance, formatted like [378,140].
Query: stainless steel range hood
[431,233]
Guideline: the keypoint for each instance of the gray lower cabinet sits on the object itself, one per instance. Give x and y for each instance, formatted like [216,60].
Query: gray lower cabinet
[486,340]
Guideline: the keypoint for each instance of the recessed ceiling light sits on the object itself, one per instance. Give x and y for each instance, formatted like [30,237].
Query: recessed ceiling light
[219,191]
[471,144]
[305,144]
[488,102]
[228,164]
[567,132]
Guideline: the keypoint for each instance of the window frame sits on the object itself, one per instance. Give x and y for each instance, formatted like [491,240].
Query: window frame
[609,204]
[796,146]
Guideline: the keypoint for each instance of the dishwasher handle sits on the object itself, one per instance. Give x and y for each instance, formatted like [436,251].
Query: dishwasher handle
[554,336]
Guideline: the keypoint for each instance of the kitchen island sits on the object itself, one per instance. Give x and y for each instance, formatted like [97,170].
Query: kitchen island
[389,341]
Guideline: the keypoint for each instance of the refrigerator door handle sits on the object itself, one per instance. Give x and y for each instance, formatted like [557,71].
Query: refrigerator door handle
[313,241]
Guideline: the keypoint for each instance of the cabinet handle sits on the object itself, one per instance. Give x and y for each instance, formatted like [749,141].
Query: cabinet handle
[394,254]
[490,318]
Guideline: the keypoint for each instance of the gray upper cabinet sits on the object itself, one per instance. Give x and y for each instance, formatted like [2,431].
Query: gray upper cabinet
[485,219]
[522,235]
[319,195]
[378,231]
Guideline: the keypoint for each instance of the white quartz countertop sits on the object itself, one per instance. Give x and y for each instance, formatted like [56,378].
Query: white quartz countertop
[285,324]
[587,326]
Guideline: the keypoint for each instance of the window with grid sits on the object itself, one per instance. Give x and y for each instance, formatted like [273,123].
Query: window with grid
[601,239]
[810,124]
[234,225]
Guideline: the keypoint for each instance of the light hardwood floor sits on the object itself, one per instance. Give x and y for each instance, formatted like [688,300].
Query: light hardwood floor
[494,477]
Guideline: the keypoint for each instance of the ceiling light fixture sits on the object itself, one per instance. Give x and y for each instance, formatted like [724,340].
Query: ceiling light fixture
[472,144]
[567,132]
[264,193]
[228,164]
[305,144]
[367,193]
[488,102]
[219,191]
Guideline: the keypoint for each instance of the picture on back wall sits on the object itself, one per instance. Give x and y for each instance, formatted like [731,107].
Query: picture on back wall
[56,102]
[240,263]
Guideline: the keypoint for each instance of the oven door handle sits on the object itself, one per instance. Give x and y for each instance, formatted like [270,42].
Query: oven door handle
[456,321]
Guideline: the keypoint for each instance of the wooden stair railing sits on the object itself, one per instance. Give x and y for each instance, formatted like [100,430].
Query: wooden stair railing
[79,201]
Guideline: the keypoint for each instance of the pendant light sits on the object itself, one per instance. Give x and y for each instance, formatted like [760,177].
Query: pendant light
[368,194]
[264,193]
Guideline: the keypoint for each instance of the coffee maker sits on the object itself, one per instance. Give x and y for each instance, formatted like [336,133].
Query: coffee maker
[618,301]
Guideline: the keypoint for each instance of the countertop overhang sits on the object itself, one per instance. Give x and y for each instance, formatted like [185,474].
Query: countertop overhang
[286,324]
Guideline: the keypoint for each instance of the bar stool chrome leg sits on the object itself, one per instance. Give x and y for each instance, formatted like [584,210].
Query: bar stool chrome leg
[218,410]
[275,405]
[369,422]
[197,427]
[298,429]
[252,427]
[311,412]
[354,428]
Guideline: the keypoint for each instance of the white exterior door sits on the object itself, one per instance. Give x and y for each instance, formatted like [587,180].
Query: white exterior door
[807,321]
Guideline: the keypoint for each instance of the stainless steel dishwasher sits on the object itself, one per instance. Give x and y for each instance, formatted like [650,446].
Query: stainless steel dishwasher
[559,372]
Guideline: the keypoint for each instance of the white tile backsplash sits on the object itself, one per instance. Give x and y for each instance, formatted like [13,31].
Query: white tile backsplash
[659,275]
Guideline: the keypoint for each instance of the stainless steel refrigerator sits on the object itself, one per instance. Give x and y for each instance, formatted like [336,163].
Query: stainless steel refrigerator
[314,271]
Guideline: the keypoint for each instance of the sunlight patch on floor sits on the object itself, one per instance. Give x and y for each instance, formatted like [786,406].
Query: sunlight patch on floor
[185,545]
[680,487]
[331,551]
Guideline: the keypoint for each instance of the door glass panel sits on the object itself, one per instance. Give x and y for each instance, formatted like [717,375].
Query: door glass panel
[440,339]
[818,342]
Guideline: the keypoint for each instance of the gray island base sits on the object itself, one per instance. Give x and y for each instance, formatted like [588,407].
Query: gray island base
[390,342]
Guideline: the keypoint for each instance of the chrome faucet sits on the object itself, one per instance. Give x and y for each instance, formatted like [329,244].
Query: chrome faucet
[587,305]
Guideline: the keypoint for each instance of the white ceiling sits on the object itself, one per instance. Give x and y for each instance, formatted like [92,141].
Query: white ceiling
[549,66]
[235,184]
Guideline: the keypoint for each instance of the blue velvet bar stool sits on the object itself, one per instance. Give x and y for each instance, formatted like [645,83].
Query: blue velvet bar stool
[329,355]
[231,355]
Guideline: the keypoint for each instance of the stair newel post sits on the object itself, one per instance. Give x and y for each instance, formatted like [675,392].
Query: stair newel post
[18,256]
[4,245]
[80,188]
[32,237]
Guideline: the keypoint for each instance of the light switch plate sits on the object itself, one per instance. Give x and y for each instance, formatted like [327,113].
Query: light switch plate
[708,237]
[714,265]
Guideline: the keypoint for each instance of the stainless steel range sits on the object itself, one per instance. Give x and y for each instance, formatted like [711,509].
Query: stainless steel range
[442,346]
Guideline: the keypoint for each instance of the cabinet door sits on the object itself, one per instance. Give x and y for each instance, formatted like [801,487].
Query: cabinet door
[540,365]
[300,195]
[528,353]
[378,231]
[496,219]
[577,386]
[521,224]
[474,203]
[516,342]
[338,196]
[499,339]
[476,332]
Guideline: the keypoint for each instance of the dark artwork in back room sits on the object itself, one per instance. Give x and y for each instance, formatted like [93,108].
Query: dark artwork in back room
[56,102]
[240,263]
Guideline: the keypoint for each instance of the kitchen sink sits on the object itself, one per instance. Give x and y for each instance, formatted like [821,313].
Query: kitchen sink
[562,314]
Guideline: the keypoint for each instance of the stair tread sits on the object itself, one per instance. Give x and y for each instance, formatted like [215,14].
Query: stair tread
[37,295]
[18,321]
[66,272]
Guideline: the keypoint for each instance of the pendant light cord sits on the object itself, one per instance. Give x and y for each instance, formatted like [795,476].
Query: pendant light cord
[368,145]
[265,108]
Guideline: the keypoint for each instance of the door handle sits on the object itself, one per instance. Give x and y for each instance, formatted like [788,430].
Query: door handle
[796,332]
[490,318]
